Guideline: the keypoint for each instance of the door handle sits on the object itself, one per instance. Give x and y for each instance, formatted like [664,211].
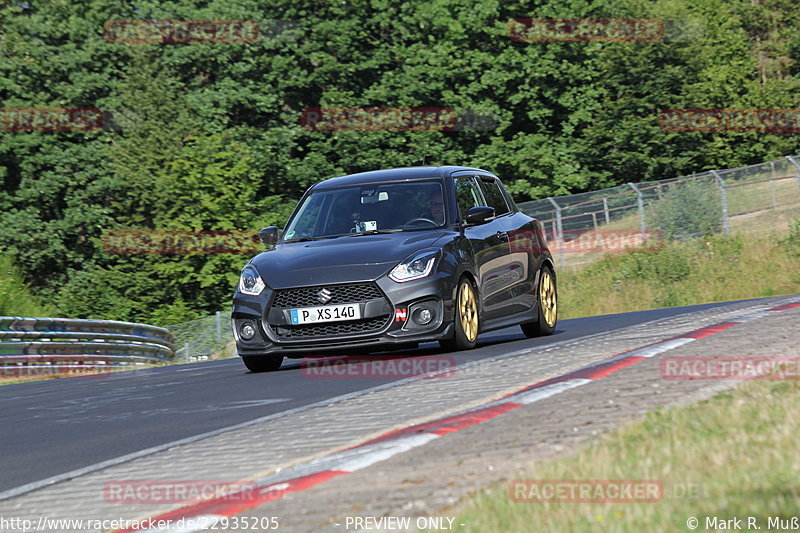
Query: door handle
[502,235]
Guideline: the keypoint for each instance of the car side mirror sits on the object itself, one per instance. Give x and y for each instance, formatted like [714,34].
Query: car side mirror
[480,215]
[269,236]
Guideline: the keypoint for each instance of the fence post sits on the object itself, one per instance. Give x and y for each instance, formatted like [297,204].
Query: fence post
[793,161]
[186,347]
[640,203]
[605,209]
[724,197]
[772,191]
[219,327]
[559,227]
[559,230]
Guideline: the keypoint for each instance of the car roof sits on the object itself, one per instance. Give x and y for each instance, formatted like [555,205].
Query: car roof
[391,174]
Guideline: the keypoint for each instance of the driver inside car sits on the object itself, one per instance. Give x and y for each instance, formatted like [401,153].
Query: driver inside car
[436,210]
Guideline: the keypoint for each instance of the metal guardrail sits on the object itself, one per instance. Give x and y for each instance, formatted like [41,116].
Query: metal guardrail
[26,340]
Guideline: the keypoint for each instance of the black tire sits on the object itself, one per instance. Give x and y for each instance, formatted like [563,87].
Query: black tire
[262,363]
[546,306]
[466,319]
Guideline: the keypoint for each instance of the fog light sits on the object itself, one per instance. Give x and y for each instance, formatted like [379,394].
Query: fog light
[247,331]
[423,316]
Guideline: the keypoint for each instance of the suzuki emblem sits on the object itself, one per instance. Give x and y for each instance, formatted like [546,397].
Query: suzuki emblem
[324,296]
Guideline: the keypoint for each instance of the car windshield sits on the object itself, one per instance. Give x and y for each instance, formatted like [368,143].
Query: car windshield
[372,208]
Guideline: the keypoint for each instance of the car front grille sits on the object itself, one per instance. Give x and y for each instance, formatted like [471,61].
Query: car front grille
[340,294]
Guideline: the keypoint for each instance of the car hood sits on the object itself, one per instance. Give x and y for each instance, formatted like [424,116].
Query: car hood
[342,260]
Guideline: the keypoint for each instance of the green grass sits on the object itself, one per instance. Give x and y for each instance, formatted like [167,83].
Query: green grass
[733,455]
[714,269]
[15,296]
[749,197]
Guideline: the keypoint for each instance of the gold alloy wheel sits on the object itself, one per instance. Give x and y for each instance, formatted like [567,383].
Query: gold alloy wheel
[547,298]
[468,311]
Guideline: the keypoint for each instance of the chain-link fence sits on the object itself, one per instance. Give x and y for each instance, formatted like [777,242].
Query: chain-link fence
[579,226]
[199,340]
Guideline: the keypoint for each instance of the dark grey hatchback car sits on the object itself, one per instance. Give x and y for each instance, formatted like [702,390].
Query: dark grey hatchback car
[392,258]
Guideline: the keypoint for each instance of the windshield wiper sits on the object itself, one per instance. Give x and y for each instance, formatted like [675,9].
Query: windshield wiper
[368,232]
[373,232]
[303,239]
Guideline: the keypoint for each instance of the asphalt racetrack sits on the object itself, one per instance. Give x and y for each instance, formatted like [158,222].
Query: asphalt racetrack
[59,426]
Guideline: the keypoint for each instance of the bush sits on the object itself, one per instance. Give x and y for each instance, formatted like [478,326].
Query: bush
[792,241]
[689,210]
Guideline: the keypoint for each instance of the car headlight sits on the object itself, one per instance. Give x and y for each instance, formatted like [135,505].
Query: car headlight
[415,266]
[250,282]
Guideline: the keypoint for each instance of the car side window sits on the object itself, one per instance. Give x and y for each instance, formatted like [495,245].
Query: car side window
[494,196]
[467,194]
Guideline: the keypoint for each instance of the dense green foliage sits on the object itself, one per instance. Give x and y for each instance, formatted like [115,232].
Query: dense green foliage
[215,142]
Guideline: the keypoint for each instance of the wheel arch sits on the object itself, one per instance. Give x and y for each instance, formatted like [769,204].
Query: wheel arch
[548,262]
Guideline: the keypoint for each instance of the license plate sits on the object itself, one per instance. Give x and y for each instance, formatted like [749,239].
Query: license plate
[327,313]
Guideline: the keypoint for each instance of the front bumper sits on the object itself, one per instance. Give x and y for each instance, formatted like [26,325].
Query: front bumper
[389,325]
